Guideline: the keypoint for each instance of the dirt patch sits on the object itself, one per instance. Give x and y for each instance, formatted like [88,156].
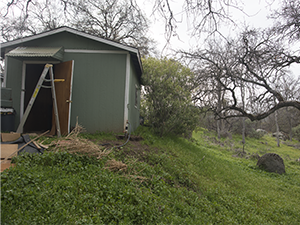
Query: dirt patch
[138,150]
[132,138]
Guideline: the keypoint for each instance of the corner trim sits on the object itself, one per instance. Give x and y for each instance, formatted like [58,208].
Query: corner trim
[127,83]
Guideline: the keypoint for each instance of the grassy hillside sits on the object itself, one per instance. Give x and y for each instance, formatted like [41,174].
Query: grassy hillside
[160,181]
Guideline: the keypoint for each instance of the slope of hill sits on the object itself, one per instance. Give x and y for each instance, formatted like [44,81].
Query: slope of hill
[154,181]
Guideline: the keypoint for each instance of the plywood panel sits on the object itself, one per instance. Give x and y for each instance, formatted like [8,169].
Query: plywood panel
[8,149]
[9,136]
[63,95]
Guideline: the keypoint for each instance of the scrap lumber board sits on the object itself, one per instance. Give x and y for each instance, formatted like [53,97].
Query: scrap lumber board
[8,149]
[5,137]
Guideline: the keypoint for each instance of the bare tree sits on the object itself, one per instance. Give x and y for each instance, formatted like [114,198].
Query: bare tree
[288,19]
[203,16]
[210,90]
[257,60]
[289,117]
[118,20]
[23,18]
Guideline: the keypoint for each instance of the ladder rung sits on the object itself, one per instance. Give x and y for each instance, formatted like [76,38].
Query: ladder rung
[44,86]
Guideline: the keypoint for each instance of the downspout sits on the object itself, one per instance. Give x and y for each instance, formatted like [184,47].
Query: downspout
[127,83]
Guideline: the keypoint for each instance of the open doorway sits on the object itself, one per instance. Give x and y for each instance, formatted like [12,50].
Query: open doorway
[40,116]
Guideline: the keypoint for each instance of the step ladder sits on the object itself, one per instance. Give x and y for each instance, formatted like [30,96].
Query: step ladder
[48,67]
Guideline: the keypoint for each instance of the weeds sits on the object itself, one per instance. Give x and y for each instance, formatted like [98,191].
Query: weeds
[155,181]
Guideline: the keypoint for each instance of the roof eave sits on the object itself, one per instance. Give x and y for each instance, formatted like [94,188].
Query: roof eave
[132,50]
[73,31]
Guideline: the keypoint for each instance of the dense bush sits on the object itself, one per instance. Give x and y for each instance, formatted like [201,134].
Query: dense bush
[255,134]
[296,132]
[167,106]
[250,128]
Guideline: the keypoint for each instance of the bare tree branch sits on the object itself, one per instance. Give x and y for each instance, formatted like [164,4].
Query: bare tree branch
[249,60]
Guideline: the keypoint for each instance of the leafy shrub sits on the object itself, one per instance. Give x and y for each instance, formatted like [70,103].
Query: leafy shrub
[255,134]
[250,128]
[167,106]
[296,132]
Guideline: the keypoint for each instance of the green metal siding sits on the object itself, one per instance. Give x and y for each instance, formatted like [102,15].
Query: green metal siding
[14,81]
[6,98]
[98,91]
[134,112]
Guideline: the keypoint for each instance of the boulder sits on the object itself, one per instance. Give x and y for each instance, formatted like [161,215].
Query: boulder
[261,131]
[271,162]
[281,135]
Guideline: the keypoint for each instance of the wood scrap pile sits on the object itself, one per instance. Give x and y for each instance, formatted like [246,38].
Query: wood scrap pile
[115,166]
[77,145]
[129,171]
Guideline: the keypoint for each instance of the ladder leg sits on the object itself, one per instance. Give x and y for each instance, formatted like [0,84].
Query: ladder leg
[55,103]
[33,97]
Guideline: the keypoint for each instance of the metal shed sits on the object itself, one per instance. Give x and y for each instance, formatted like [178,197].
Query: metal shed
[101,87]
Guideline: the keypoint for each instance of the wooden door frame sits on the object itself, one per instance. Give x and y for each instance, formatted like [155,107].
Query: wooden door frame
[71,91]
[69,98]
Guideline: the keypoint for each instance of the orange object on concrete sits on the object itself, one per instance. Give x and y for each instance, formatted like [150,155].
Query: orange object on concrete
[6,165]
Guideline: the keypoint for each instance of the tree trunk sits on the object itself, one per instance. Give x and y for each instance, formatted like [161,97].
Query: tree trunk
[218,129]
[218,110]
[290,120]
[243,119]
[277,129]
[243,133]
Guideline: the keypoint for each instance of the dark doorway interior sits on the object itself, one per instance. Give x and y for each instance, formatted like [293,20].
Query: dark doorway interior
[40,116]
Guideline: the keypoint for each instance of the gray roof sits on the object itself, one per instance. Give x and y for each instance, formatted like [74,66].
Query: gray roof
[73,31]
[37,52]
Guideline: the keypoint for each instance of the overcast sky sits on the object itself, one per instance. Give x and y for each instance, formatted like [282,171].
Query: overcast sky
[254,14]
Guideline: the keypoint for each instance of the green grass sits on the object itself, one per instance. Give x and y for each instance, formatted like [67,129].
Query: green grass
[168,181]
